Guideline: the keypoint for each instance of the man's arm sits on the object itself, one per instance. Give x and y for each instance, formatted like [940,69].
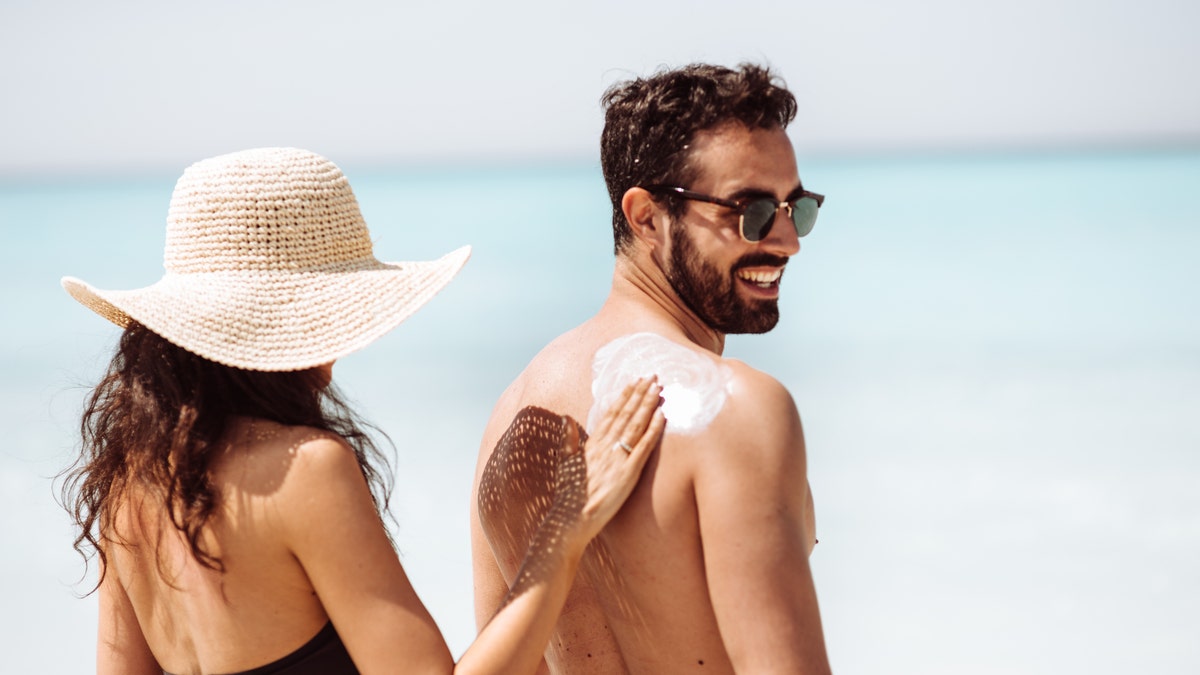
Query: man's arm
[752,499]
[490,586]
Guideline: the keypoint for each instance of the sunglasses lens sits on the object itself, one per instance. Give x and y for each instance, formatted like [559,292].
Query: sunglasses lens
[804,215]
[757,219]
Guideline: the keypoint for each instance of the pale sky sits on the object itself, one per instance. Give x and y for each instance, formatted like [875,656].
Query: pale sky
[120,85]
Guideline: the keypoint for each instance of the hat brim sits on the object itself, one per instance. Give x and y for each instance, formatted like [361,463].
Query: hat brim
[277,321]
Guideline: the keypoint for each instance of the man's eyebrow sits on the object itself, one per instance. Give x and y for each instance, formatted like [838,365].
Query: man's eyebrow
[754,193]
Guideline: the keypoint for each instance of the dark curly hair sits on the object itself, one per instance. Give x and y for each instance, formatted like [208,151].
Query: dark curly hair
[154,425]
[649,124]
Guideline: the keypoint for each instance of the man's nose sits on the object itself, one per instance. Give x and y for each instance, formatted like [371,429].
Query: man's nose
[782,238]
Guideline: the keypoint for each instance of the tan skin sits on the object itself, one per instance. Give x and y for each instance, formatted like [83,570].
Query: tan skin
[706,568]
[303,544]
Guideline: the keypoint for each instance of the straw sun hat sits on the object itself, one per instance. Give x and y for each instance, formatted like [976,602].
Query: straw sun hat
[269,266]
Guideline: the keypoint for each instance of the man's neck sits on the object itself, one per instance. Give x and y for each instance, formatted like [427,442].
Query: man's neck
[649,295]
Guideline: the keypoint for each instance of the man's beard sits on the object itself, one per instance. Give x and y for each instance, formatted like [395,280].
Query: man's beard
[712,295]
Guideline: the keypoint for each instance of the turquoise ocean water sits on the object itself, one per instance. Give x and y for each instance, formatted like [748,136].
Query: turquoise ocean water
[997,359]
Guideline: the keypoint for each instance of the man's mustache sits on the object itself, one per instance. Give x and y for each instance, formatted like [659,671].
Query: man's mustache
[760,260]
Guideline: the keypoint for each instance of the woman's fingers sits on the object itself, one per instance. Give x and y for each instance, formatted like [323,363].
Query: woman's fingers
[617,418]
[649,440]
[637,414]
[570,436]
[619,449]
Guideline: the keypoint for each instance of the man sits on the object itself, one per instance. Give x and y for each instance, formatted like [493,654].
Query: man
[705,569]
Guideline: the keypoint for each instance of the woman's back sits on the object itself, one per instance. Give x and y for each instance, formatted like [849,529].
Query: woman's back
[262,606]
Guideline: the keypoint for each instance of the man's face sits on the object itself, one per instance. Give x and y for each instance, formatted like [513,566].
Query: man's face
[733,285]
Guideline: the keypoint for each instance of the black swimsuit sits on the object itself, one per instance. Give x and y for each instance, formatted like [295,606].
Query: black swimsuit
[323,655]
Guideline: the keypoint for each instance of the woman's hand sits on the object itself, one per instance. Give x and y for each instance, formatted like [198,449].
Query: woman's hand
[614,454]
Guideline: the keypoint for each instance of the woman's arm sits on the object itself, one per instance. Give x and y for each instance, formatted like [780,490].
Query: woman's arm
[121,647]
[333,530]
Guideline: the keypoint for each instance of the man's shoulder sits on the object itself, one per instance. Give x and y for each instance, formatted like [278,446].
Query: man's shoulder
[752,457]
[754,396]
[758,418]
[547,381]
[554,367]
[756,389]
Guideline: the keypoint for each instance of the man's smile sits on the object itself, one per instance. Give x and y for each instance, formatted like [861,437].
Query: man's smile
[764,278]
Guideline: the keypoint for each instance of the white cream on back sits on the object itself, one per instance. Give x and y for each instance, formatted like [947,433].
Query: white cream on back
[694,386]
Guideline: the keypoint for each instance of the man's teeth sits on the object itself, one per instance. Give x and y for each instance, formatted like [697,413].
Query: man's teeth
[761,278]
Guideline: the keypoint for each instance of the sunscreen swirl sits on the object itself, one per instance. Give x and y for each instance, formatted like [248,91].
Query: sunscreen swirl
[694,387]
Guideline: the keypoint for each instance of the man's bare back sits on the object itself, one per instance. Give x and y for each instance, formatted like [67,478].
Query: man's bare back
[705,568]
[640,602]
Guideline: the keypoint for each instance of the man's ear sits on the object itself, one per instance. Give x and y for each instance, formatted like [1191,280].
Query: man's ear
[647,220]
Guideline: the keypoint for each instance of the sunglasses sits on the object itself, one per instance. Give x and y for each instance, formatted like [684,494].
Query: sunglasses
[756,215]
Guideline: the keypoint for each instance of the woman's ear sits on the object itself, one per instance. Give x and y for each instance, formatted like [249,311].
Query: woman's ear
[647,220]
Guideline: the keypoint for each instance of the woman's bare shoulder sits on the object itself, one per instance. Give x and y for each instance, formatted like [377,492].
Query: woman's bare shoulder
[263,457]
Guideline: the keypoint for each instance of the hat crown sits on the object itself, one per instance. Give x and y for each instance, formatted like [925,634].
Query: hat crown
[268,209]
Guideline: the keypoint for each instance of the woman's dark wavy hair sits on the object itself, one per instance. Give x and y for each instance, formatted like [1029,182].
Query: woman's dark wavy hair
[649,125]
[156,421]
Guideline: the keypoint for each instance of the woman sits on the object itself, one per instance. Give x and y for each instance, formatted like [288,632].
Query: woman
[230,494]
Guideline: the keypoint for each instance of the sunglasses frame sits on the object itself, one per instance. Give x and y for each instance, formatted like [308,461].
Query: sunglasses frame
[741,205]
